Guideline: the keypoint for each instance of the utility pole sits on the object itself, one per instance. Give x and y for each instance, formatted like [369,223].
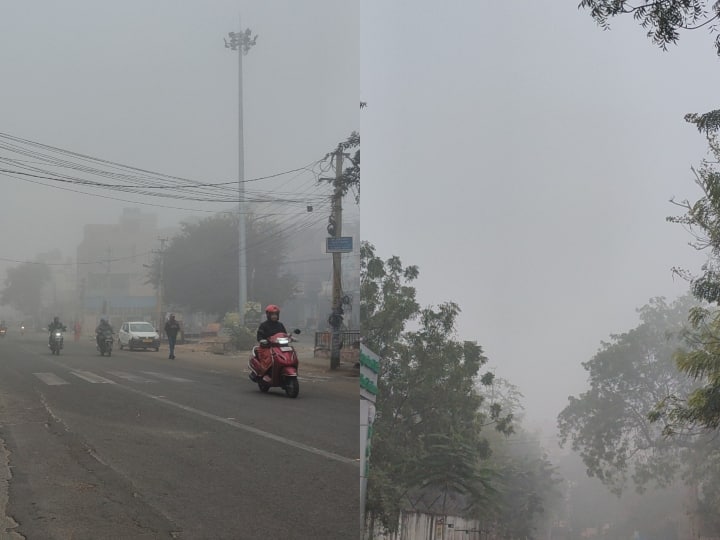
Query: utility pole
[161,284]
[336,318]
[241,42]
[106,302]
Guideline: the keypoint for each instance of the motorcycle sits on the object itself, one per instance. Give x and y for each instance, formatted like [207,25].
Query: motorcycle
[105,344]
[56,341]
[283,360]
[22,330]
[3,331]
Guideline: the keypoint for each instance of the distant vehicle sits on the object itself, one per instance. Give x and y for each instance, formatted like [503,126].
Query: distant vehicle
[138,335]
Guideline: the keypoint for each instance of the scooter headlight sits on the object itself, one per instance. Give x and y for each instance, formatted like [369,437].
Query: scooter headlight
[58,334]
[283,341]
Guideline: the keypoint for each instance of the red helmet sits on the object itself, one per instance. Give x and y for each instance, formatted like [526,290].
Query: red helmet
[272,308]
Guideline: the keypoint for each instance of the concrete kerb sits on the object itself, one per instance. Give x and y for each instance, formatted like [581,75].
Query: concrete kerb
[237,360]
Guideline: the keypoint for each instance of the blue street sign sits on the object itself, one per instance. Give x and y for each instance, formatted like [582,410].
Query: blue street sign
[341,244]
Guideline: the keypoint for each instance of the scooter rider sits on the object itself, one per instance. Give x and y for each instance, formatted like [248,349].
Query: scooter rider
[272,325]
[268,328]
[103,327]
[53,326]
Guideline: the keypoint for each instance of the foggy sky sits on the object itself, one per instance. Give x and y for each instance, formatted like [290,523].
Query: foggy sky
[151,85]
[536,155]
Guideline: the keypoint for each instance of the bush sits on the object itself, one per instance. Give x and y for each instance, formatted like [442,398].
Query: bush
[240,337]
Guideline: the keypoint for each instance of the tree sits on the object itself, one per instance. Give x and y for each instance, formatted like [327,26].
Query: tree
[200,269]
[615,425]
[702,362]
[23,287]
[388,301]
[426,437]
[526,483]
[664,19]
[629,376]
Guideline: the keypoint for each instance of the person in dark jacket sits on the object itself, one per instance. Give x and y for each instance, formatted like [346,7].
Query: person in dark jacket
[101,328]
[268,328]
[172,327]
[272,325]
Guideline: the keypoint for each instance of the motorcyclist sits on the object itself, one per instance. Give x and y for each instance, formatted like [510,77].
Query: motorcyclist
[267,328]
[101,328]
[53,326]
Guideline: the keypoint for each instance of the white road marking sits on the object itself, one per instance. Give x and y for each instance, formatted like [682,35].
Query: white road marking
[91,377]
[166,377]
[131,377]
[313,378]
[251,429]
[50,379]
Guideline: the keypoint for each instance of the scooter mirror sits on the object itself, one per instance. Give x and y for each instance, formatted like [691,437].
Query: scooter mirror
[296,331]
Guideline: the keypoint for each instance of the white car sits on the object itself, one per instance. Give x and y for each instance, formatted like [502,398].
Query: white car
[138,335]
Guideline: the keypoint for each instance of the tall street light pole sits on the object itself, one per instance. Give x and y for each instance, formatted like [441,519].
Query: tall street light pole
[241,42]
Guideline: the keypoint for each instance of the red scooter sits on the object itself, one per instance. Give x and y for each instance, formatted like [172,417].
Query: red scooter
[282,359]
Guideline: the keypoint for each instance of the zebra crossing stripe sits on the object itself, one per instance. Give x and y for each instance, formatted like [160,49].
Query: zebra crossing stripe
[166,377]
[50,379]
[91,377]
[130,377]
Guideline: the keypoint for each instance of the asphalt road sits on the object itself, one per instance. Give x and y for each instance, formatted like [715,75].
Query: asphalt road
[137,446]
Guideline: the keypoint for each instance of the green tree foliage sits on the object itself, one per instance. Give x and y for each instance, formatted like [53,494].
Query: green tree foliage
[201,265]
[350,179]
[388,301]
[702,362]
[663,19]
[23,287]
[609,424]
[241,338]
[527,487]
[427,434]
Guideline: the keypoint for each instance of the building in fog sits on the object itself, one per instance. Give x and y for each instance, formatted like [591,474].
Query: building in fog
[112,274]
[59,296]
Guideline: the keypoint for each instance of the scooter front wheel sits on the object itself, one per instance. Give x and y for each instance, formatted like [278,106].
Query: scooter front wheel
[263,386]
[292,387]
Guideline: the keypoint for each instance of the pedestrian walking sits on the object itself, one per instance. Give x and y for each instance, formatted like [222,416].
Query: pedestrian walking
[172,327]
